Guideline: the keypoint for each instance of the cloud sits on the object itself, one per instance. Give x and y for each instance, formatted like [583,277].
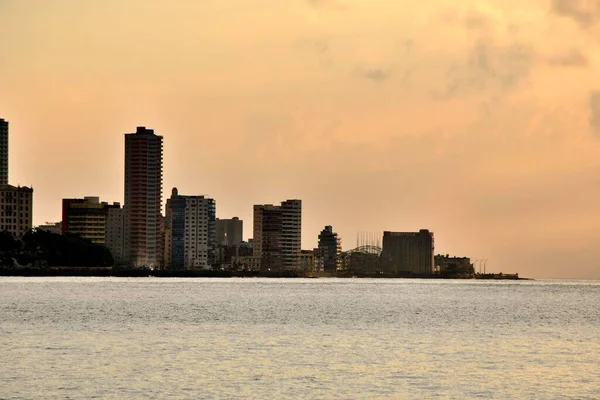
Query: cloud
[378,75]
[585,12]
[595,112]
[490,66]
[325,3]
[574,58]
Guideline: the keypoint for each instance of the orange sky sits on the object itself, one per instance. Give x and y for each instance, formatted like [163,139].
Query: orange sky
[479,121]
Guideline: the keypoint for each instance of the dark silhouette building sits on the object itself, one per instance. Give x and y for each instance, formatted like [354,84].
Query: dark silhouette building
[277,235]
[330,249]
[407,252]
[229,231]
[3,152]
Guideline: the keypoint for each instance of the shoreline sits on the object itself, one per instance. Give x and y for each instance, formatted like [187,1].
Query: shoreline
[138,273]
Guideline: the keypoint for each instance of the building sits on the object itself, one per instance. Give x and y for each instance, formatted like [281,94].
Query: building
[115,233]
[447,265]
[229,231]
[143,199]
[277,235]
[408,252]
[52,227]
[307,261]
[224,253]
[189,232]
[16,209]
[330,249]
[246,263]
[86,217]
[3,152]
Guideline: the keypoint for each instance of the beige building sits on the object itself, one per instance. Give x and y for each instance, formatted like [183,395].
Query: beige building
[86,218]
[16,209]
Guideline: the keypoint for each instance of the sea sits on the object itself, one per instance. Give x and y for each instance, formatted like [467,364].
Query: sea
[260,338]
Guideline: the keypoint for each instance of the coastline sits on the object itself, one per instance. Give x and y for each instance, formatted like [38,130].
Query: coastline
[141,273]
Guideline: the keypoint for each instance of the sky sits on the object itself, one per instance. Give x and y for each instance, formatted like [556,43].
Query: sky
[476,119]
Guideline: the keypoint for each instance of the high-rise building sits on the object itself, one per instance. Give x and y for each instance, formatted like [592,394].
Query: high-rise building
[143,198]
[16,209]
[87,218]
[330,249]
[277,235]
[3,152]
[189,232]
[408,252]
[115,233]
[229,231]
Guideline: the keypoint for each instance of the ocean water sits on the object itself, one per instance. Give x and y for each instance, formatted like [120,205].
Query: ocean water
[139,338]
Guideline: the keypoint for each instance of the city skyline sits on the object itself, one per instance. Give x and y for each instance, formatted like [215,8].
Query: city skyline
[478,121]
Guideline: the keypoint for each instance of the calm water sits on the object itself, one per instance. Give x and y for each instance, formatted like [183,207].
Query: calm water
[314,338]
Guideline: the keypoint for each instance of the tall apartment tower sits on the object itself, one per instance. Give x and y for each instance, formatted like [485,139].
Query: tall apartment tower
[277,235]
[143,198]
[189,232]
[3,152]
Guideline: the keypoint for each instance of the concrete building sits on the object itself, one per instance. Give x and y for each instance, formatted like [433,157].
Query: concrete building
[330,249]
[16,209]
[277,235]
[447,265]
[307,261]
[86,217]
[408,252]
[52,227]
[189,232]
[246,263]
[115,233]
[143,199]
[229,231]
[3,152]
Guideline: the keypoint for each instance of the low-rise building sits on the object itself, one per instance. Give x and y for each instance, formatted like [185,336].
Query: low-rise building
[52,227]
[447,265]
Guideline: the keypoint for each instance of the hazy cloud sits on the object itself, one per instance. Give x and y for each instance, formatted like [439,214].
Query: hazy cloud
[595,112]
[584,12]
[574,58]
[325,3]
[490,66]
[378,75]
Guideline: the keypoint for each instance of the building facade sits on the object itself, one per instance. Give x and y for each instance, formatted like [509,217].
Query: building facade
[52,227]
[86,217]
[3,152]
[447,265]
[229,232]
[189,232]
[408,252]
[16,209]
[115,233]
[277,235]
[330,249]
[143,199]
